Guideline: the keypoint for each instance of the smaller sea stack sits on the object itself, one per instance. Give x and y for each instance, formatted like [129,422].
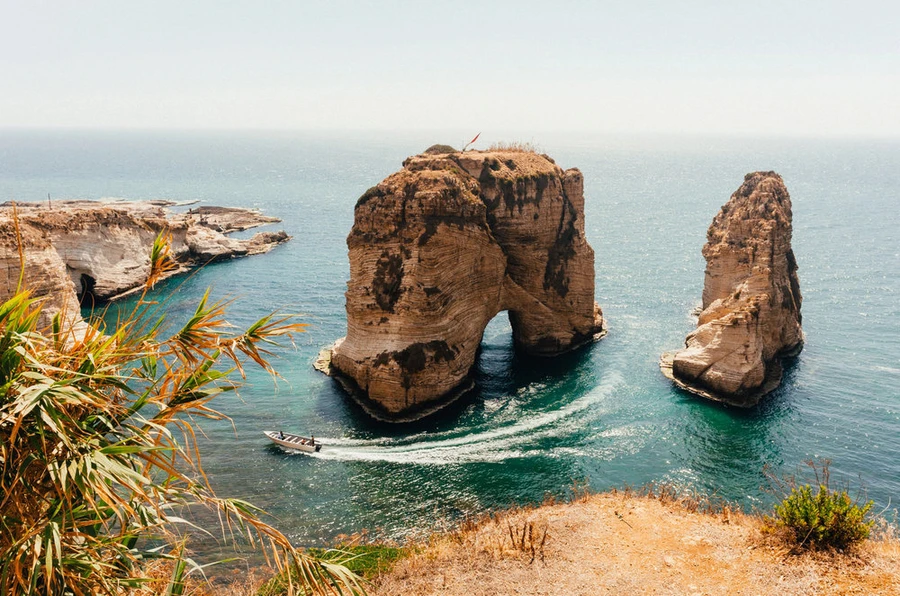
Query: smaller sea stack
[751,299]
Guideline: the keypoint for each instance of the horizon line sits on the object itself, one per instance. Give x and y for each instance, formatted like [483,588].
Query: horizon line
[888,136]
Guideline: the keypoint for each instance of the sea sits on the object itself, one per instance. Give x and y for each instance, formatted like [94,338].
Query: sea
[603,416]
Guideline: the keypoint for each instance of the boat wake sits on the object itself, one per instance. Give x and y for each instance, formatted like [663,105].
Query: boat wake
[509,438]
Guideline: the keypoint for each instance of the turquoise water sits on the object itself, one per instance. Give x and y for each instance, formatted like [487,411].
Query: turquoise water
[604,414]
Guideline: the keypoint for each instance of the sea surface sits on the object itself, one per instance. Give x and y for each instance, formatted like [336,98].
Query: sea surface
[532,429]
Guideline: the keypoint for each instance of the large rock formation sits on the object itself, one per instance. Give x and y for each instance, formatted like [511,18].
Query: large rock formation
[437,250]
[93,252]
[751,299]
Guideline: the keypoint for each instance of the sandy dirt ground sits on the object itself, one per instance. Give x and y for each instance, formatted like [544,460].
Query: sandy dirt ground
[625,544]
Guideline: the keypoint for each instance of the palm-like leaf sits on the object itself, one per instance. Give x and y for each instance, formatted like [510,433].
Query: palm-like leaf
[97,444]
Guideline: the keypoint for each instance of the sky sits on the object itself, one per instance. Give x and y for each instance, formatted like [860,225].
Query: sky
[756,67]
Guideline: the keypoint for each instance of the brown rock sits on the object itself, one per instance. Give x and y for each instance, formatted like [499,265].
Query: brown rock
[751,299]
[44,275]
[99,251]
[438,249]
[230,219]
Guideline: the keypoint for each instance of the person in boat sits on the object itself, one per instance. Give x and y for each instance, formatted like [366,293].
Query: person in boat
[312,440]
[281,435]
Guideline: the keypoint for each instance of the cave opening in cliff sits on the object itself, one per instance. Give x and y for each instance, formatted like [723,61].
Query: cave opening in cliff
[496,354]
[86,296]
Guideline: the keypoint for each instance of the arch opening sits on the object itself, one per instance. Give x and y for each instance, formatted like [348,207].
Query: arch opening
[494,366]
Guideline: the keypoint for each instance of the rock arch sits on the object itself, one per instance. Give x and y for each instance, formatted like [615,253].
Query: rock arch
[437,250]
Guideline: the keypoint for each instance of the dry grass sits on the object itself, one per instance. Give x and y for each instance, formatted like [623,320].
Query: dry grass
[238,582]
[655,540]
[682,497]
[514,147]
[521,533]
[247,584]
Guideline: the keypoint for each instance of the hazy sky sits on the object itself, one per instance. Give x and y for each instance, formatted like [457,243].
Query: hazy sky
[787,67]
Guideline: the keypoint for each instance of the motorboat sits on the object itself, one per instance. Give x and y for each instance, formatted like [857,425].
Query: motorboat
[296,442]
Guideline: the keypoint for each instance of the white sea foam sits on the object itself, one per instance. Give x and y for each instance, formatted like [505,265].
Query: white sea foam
[496,443]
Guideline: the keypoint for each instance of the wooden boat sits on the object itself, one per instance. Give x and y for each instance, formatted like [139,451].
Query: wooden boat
[289,441]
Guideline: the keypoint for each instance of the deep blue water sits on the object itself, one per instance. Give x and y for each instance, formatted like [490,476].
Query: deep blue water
[604,414]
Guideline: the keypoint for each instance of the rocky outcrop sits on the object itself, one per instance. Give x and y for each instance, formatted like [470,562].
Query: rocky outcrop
[437,250]
[751,299]
[93,252]
[44,275]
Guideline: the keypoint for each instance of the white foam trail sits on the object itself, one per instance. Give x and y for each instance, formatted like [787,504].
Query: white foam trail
[627,440]
[344,441]
[495,444]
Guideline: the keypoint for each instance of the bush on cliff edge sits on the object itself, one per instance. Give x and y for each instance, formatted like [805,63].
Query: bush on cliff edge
[822,518]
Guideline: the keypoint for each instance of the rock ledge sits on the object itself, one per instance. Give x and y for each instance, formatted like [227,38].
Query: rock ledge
[92,252]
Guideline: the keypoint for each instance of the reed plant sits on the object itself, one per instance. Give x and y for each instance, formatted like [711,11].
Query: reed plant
[98,451]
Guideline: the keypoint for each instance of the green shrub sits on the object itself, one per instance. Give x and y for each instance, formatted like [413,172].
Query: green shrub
[365,560]
[439,149]
[823,519]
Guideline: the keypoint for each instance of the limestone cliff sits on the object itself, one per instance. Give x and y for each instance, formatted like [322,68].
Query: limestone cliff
[438,249]
[92,252]
[751,299]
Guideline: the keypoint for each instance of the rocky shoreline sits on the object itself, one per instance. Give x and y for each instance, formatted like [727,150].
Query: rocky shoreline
[436,251]
[86,253]
[375,410]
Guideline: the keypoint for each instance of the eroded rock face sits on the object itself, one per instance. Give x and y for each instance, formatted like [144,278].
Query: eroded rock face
[751,299]
[45,272]
[438,249]
[94,252]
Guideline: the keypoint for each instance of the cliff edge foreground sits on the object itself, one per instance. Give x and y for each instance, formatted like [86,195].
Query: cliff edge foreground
[751,299]
[623,544]
[437,250]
